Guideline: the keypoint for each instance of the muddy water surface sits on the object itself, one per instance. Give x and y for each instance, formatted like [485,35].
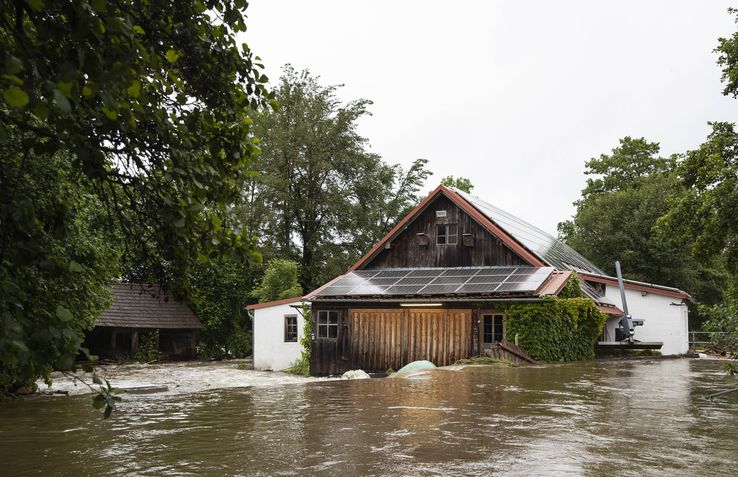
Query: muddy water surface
[597,418]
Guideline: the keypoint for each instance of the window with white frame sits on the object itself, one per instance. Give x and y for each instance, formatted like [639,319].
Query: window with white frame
[327,324]
[447,234]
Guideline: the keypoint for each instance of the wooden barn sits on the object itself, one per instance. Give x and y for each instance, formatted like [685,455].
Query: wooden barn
[431,289]
[138,310]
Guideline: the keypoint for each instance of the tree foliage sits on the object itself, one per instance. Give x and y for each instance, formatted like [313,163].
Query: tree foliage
[723,323]
[461,183]
[219,291]
[709,209]
[56,262]
[728,60]
[321,198]
[148,347]
[281,280]
[616,219]
[125,129]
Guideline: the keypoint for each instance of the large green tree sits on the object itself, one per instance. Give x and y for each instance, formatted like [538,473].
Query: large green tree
[145,105]
[280,280]
[321,198]
[617,218]
[56,263]
[219,289]
[708,211]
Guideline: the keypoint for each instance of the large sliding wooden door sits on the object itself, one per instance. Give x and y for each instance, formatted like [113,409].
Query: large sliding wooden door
[390,338]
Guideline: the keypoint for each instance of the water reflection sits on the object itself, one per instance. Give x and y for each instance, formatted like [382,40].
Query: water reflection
[595,418]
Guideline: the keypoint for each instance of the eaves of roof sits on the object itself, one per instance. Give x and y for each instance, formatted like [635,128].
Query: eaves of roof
[639,286]
[284,301]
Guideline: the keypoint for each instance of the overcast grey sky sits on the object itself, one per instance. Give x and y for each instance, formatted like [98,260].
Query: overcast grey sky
[515,95]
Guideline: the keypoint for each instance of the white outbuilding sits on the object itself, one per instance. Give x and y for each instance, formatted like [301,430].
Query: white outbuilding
[278,328]
[663,311]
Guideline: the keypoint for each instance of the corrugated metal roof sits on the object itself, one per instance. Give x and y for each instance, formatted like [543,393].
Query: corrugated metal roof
[546,247]
[143,306]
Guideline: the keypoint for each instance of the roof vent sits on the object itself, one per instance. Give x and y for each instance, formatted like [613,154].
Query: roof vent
[440,213]
[468,240]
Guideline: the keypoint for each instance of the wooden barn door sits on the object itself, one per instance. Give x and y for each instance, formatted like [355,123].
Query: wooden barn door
[391,338]
[376,339]
[440,336]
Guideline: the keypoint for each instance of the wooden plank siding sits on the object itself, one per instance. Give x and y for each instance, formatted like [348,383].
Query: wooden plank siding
[377,339]
[485,249]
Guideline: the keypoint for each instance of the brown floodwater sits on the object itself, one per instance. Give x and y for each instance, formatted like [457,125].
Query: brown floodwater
[594,418]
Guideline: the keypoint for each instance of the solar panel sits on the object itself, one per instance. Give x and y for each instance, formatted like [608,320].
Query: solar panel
[369,289]
[460,272]
[590,291]
[336,291]
[524,271]
[478,288]
[438,289]
[510,287]
[496,271]
[450,280]
[425,272]
[413,281]
[437,281]
[392,273]
[365,273]
[404,289]
[487,279]
[384,281]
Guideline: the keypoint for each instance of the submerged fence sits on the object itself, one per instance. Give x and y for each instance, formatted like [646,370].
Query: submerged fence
[703,339]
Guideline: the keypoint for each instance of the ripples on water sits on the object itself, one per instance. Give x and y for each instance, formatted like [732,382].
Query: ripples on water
[594,418]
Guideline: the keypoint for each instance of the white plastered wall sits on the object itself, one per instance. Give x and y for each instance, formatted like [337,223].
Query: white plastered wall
[270,350]
[665,319]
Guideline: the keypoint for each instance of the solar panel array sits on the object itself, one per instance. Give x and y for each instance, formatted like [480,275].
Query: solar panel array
[591,292]
[438,281]
[552,251]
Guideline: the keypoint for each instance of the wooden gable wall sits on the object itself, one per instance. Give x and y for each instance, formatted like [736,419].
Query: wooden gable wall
[407,251]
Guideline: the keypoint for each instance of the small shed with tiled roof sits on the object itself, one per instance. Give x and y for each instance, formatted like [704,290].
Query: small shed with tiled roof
[138,310]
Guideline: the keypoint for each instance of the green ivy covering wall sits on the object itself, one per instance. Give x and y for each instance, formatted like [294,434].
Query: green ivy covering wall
[564,328]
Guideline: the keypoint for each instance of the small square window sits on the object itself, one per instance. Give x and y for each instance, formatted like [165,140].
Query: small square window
[447,234]
[290,329]
[327,324]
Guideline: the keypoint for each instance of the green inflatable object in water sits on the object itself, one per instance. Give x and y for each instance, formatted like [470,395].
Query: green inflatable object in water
[416,366]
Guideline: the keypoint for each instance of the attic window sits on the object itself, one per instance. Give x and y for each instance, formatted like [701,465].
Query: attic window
[446,234]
